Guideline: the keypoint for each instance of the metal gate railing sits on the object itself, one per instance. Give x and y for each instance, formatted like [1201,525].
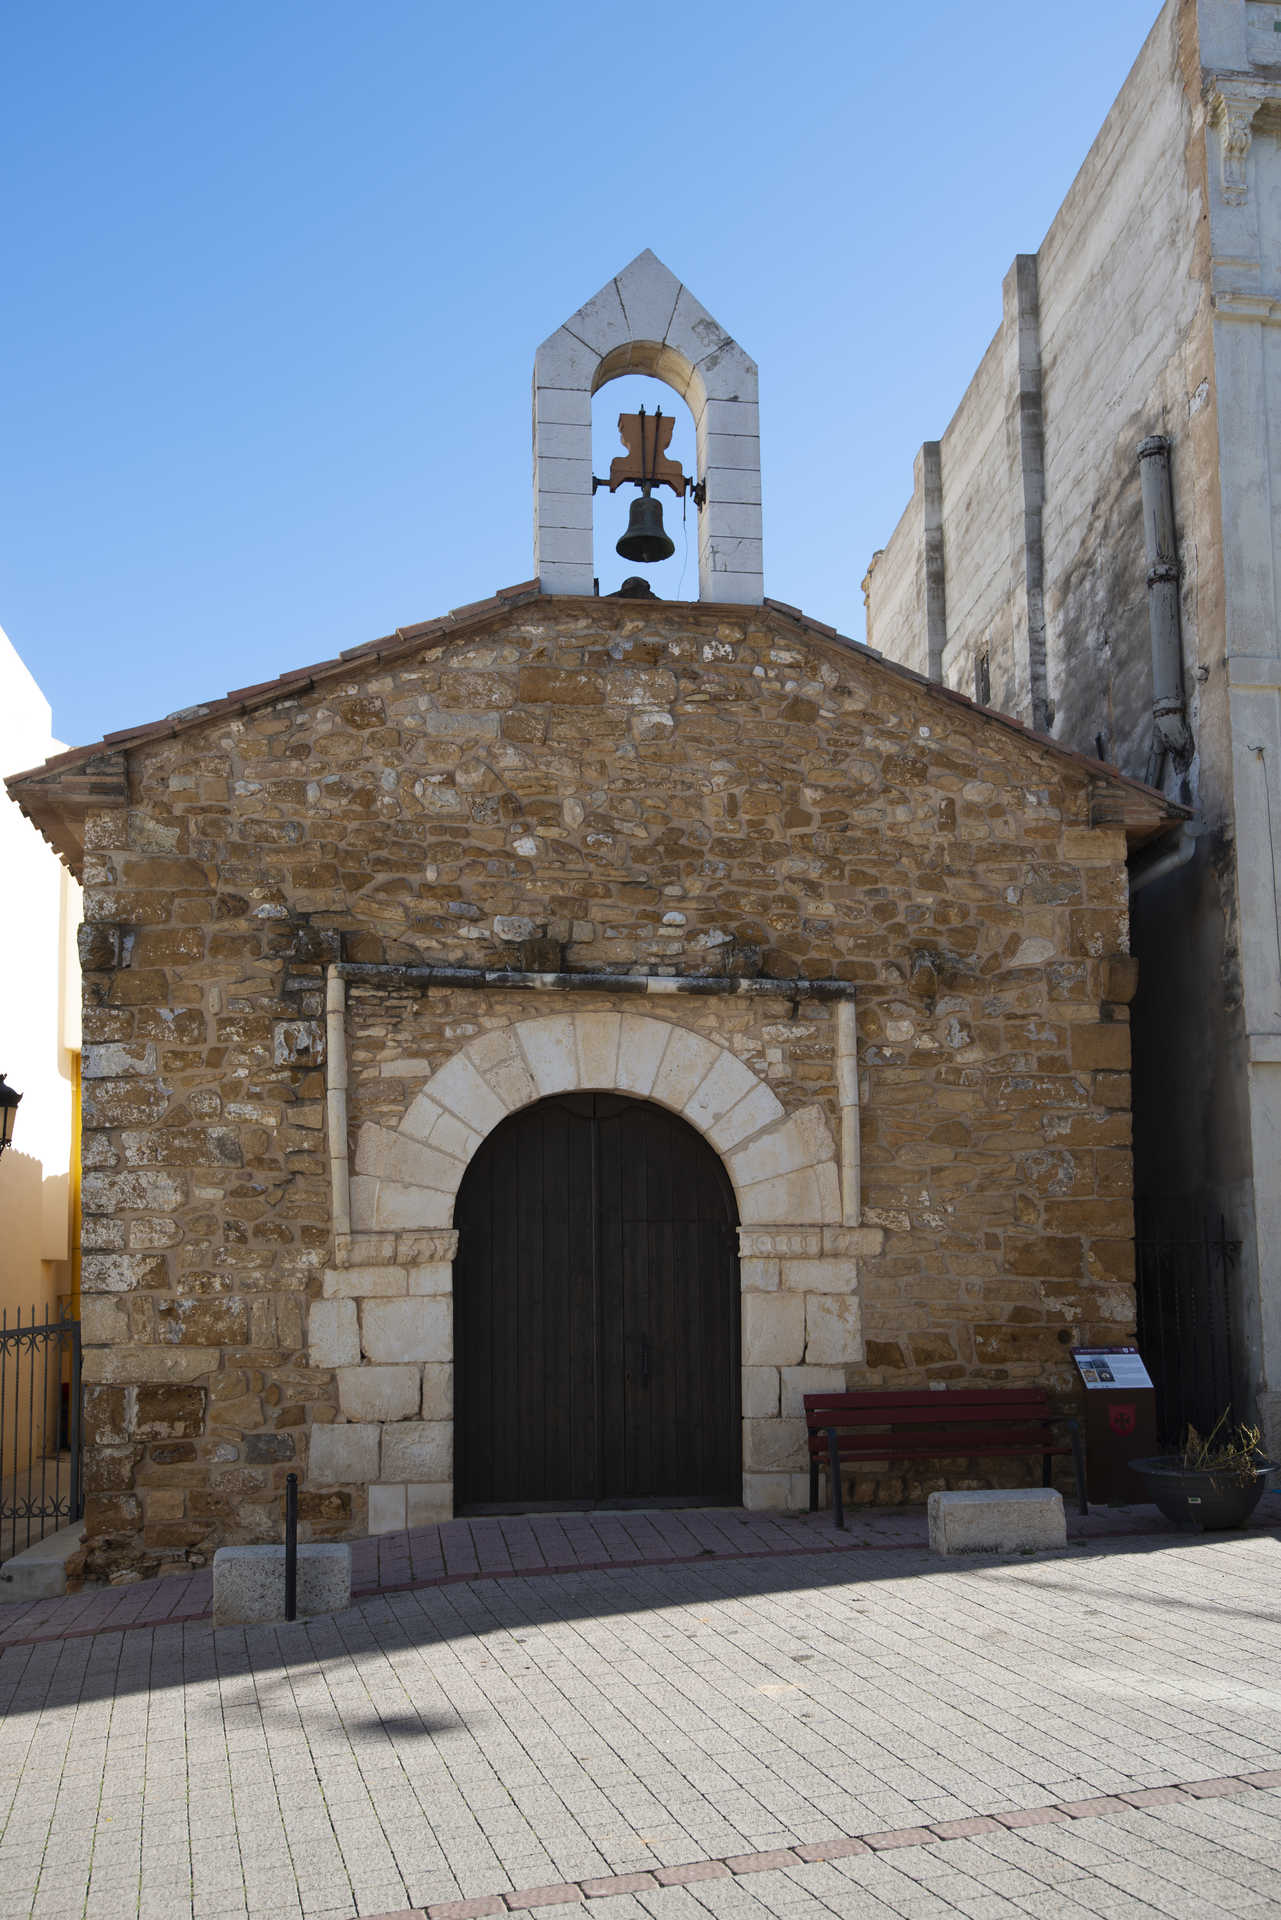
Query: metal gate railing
[40,1439]
[1184,1316]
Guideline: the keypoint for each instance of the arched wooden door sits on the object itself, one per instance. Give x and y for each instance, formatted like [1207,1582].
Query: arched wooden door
[596,1304]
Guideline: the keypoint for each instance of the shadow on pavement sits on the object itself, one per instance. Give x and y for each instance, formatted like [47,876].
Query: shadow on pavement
[113,1664]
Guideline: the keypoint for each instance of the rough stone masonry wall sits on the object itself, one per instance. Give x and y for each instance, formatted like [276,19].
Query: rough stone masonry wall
[599,785]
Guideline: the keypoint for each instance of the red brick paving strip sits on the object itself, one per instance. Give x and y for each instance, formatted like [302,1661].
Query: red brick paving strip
[559,1895]
[899,1837]
[964,1829]
[839,1847]
[619,1883]
[1030,1816]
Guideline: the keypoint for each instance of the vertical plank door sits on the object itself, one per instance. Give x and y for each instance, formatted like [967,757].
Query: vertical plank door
[597,1311]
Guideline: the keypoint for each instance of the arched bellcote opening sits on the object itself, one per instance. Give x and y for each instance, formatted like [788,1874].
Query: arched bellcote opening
[645,321]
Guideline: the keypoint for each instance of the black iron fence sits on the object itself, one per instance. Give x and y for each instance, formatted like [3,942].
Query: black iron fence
[1184,1275]
[40,1444]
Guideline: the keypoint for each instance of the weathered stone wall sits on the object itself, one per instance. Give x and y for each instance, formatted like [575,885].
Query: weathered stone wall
[594,785]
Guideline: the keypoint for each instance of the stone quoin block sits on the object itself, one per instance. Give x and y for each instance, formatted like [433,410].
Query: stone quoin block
[427,1506]
[418,1450]
[249,1583]
[344,1454]
[773,1329]
[760,1393]
[997,1522]
[388,1508]
[333,1334]
[380,1393]
[832,1332]
[359,1283]
[415,1329]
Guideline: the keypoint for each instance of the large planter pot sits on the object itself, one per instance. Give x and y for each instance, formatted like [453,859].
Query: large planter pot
[1197,1497]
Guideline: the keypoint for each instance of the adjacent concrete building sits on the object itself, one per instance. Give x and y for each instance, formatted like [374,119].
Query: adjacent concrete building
[528,1053]
[1092,545]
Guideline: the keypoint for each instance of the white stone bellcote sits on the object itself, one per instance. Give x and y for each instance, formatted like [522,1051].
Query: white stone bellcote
[645,321]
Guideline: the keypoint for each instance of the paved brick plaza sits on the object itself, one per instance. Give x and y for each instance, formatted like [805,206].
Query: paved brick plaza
[531,1734]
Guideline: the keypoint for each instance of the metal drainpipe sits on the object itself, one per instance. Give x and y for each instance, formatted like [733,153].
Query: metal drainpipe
[1171,734]
[1178,856]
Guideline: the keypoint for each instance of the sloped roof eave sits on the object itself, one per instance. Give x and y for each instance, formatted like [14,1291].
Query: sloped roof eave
[56,795]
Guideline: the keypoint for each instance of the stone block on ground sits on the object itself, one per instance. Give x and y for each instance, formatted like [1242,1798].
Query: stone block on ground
[39,1572]
[249,1583]
[1014,1520]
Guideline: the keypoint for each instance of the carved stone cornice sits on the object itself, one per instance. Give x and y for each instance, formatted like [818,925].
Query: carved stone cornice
[1232,107]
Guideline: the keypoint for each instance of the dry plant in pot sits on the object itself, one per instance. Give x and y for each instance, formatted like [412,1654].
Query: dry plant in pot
[1214,1481]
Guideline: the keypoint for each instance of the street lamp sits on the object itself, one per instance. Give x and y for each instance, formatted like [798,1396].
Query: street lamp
[8,1108]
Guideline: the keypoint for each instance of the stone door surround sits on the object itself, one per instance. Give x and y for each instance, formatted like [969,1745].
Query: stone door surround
[385,1322]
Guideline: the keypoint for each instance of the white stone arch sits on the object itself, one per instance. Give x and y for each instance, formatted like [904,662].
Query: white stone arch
[385,1321]
[646,321]
[783,1167]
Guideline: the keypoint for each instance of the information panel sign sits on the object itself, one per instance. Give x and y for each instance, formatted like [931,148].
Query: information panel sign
[1111,1367]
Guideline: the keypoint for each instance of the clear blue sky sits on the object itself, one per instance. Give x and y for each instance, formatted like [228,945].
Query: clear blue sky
[277,272]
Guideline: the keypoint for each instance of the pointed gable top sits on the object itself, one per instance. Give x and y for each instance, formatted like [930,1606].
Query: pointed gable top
[646,321]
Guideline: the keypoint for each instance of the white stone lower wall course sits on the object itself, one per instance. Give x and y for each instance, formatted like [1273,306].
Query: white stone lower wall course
[438,1392]
[767,1492]
[436,1277]
[772,1446]
[380,1393]
[359,1283]
[333,1334]
[418,1450]
[388,1509]
[773,1329]
[760,1393]
[798,1381]
[833,1335]
[420,1328]
[427,1506]
[344,1453]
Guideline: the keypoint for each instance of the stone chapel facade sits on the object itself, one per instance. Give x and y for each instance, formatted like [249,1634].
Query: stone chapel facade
[565,1033]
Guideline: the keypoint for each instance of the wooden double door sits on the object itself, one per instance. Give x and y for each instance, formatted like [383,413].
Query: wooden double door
[596,1305]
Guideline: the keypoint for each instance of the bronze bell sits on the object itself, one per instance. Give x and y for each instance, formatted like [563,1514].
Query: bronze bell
[645,539]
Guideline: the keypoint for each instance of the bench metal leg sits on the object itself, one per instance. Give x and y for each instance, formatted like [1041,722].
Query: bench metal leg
[834,1469]
[813,1484]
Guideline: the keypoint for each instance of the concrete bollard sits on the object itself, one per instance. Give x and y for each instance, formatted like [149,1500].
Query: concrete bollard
[249,1583]
[1019,1519]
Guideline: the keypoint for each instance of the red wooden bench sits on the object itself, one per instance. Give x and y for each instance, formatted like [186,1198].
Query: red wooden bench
[922,1423]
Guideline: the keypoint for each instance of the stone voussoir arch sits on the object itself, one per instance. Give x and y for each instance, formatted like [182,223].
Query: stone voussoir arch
[783,1167]
[384,1324]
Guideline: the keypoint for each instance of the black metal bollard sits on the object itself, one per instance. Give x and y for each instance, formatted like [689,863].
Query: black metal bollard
[291,1546]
